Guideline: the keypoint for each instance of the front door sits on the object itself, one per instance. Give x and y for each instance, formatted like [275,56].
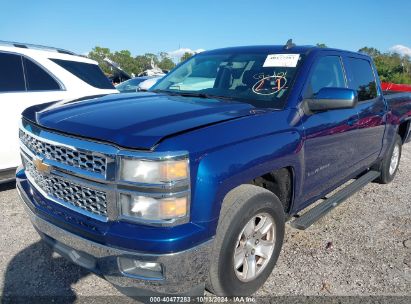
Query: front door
[330,136]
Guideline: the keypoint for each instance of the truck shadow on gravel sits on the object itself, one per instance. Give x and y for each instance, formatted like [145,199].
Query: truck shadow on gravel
[36,274]
[7,186]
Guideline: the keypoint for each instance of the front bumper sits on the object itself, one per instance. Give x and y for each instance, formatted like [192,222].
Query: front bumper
[182,271]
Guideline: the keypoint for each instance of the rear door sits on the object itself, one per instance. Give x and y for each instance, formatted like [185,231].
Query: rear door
[371,109]
[330,136]
[23,83]
[12,90]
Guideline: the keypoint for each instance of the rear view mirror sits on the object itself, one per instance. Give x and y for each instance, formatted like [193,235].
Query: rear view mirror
[332,99]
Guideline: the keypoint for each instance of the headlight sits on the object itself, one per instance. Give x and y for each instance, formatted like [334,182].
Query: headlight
[146,171]
[160,205]
[154,209]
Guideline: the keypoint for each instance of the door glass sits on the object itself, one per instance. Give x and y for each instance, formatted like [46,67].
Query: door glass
[38,79]
[327,72]
[11,73]
[362,79]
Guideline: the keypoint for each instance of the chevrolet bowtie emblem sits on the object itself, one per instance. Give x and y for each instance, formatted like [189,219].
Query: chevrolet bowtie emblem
[41,166]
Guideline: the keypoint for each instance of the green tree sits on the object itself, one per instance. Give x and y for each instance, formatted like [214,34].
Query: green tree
[125,61]
[185,56]
[165,62]
[391,67]
[98,54]
[322,45]
[143,62]
[373,52]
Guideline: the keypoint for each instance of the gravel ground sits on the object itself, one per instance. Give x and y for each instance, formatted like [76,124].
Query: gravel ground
[362,248]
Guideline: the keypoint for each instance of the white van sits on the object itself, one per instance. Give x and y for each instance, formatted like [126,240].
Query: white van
[32,74]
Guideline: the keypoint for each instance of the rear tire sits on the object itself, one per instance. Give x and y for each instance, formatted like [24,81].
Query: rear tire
[248,242]
[391,162]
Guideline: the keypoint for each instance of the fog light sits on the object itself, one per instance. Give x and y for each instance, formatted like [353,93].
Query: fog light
[140,269]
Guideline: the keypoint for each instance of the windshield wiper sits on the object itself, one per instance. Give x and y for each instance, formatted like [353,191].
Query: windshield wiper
[190,94]
[161,91]
[178,93]
[204,95]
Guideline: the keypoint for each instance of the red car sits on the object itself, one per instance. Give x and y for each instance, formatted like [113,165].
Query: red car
[389,86]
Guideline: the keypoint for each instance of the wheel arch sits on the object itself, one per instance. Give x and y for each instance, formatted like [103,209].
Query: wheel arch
[404,131]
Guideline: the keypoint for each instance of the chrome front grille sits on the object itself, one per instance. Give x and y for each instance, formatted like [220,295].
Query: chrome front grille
[80,159]
[69,193]
[84,175]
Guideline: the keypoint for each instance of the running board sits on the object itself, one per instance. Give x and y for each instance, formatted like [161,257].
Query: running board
[313,215]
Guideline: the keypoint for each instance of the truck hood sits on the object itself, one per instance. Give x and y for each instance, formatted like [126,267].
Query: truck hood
[137,121]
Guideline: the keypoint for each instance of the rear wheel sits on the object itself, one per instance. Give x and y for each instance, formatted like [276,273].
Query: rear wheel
[249,237]
[391,162]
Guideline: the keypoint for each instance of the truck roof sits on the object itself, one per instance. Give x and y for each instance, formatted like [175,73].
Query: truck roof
[300,49]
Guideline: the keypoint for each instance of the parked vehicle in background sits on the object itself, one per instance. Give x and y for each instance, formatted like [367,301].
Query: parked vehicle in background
[153,71]
[131,85]
[32,74]
[148,84]
[190,184]
[118,74]
[137,84]
[394,87]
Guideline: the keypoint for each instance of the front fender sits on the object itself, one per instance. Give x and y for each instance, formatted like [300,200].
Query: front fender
[222,170]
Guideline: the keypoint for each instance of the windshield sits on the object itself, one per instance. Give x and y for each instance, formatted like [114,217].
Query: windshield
[262,80]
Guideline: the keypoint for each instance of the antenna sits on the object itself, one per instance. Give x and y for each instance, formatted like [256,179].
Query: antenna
[289,44]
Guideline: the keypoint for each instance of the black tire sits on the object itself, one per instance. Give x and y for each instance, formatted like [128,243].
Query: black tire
[387,176]
[239,207]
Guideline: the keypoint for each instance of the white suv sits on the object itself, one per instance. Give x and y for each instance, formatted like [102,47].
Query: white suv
[30,75]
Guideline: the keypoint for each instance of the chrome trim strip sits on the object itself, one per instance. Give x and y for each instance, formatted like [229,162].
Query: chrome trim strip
[156,156]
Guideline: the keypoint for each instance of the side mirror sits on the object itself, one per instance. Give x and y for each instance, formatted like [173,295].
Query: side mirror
[333,99]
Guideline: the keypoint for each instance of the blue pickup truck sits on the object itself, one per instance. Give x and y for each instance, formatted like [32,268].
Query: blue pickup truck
[189,186]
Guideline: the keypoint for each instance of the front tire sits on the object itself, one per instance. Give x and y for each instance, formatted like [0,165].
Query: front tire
[248,242]
[391,162]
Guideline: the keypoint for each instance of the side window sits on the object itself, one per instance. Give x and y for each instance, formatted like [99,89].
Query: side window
[327,72]
[37,78]
[11,73]
[362,79]
[89,73]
